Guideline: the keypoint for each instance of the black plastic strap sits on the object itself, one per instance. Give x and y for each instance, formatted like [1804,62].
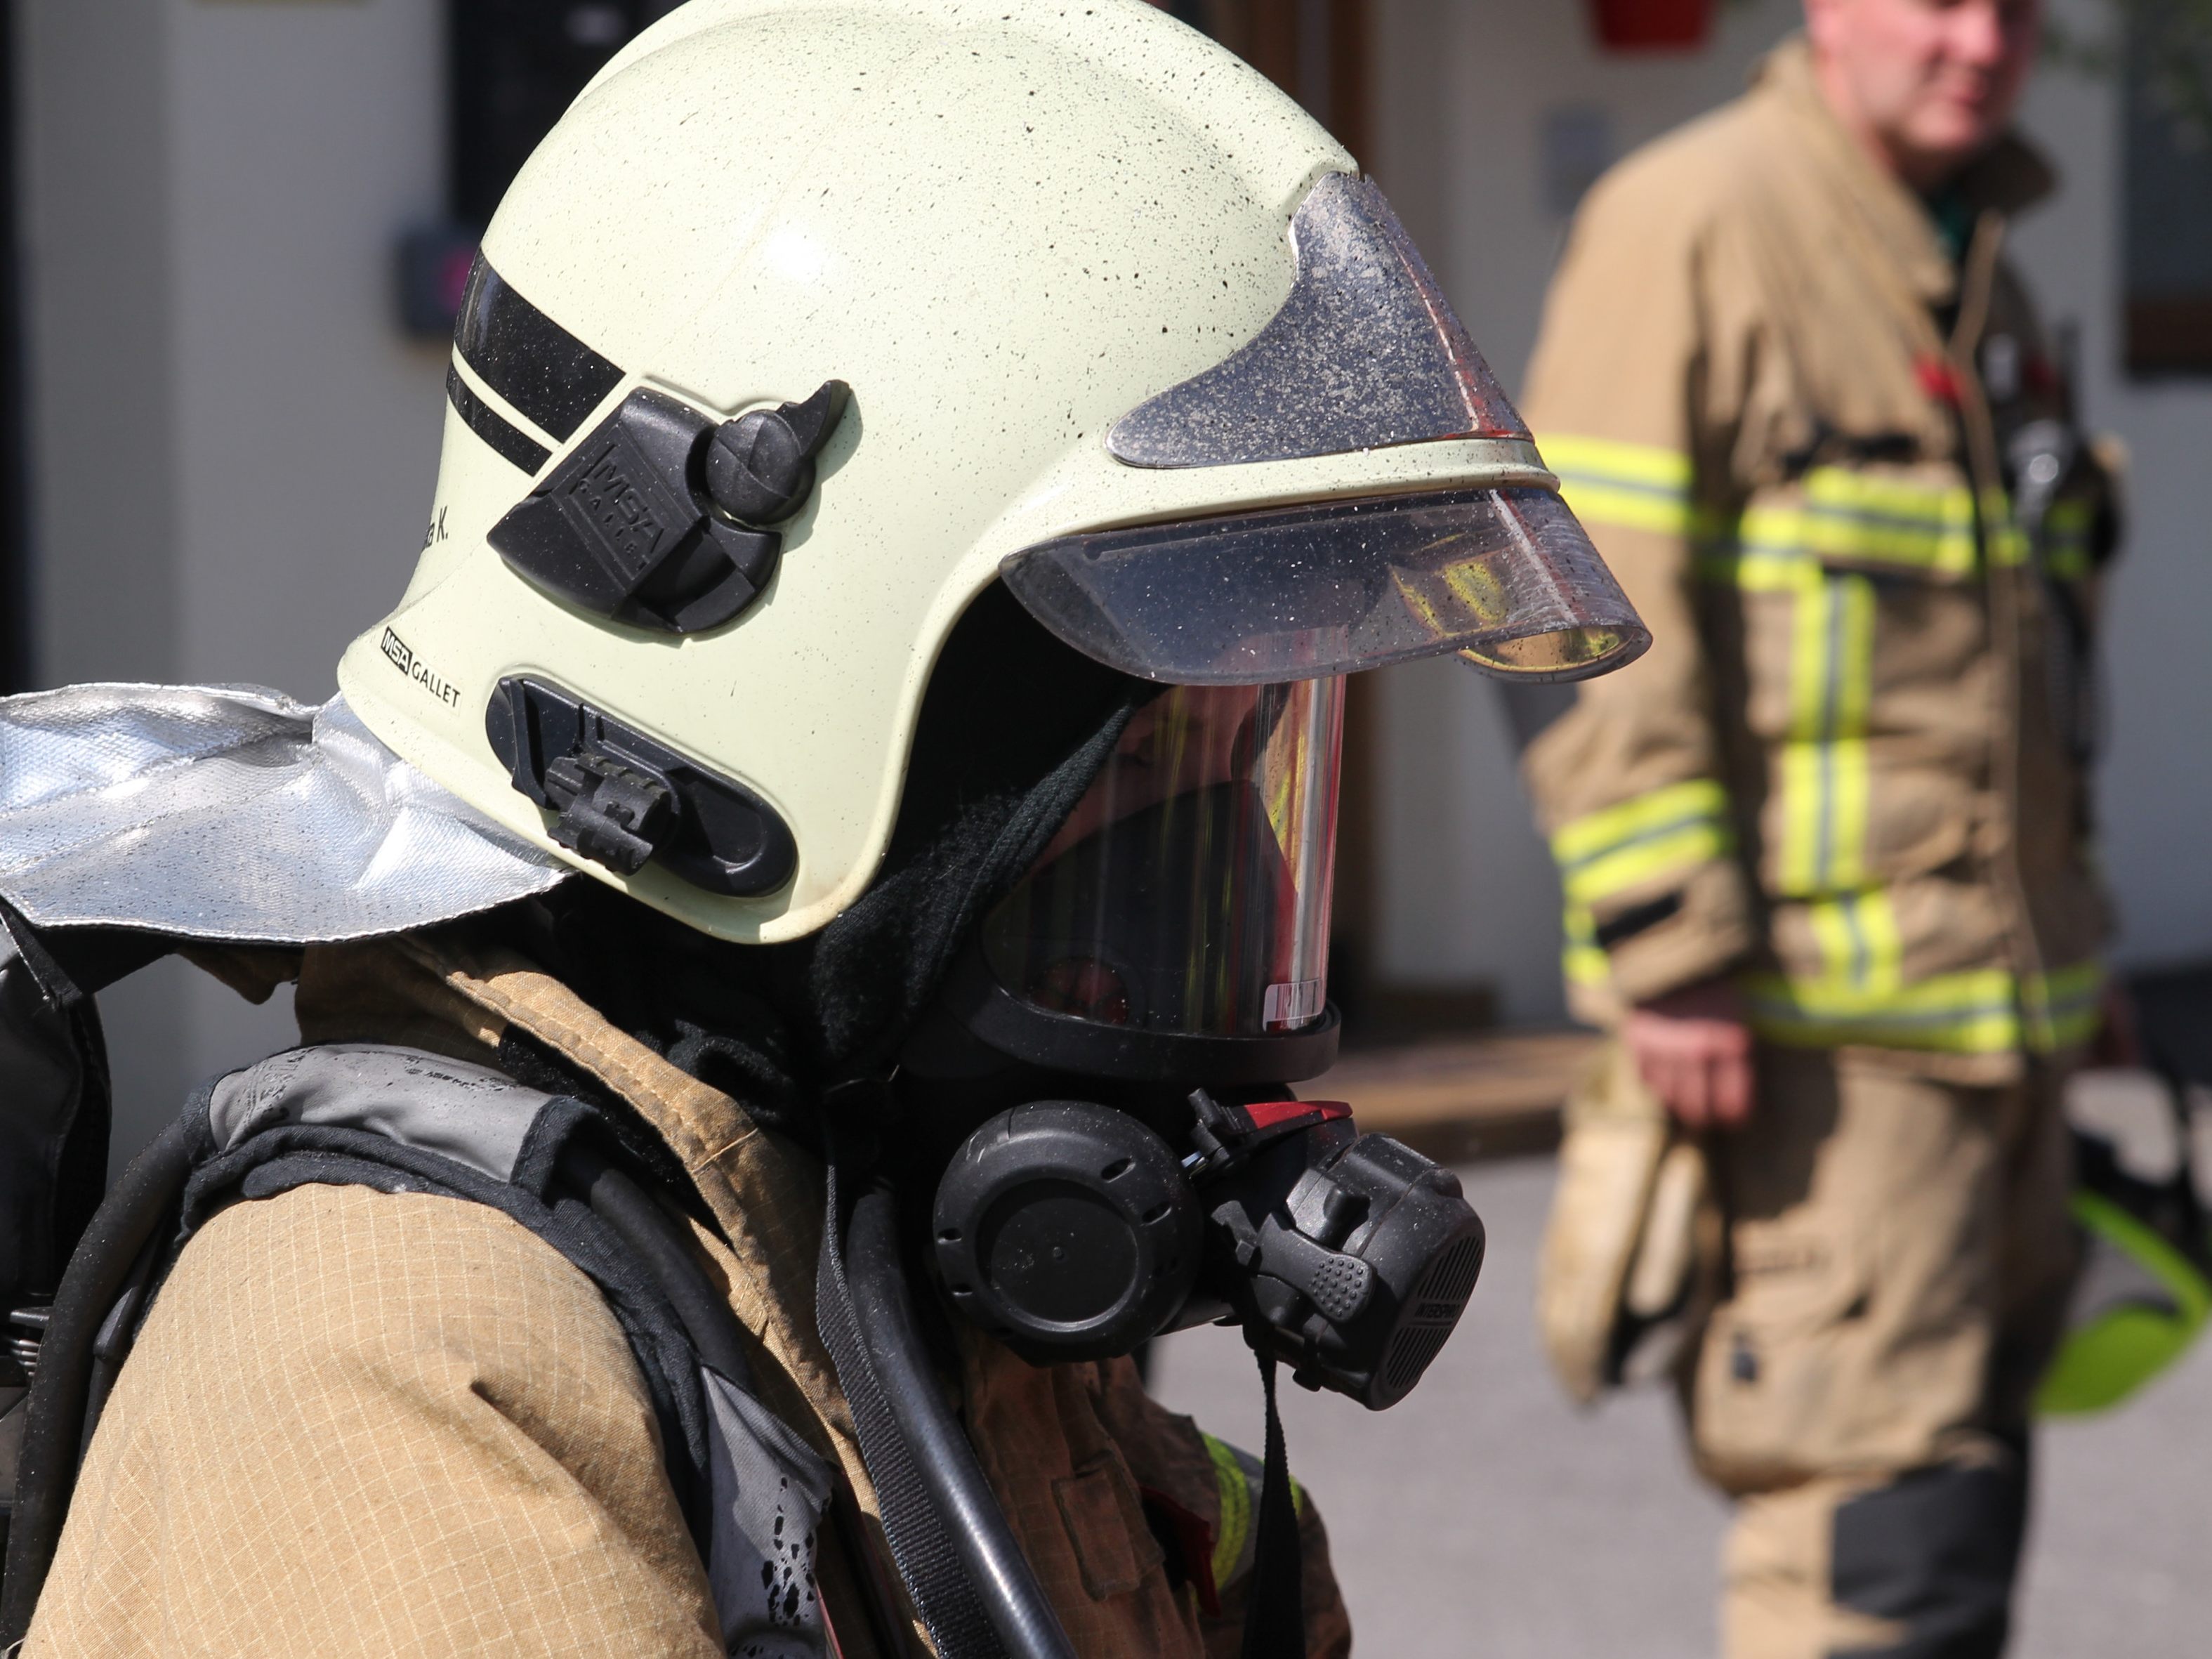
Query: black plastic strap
[1274,1615]
[922,1545]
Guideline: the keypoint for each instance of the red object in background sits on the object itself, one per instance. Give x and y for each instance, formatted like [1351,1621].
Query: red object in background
[1652,25]
[1939,381]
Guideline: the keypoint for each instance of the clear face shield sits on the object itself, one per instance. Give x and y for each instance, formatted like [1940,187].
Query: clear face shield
[1188,897]
[1189,891]
[1175,931]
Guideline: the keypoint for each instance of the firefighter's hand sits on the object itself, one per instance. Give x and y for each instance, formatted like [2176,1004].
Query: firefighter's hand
[1693,1048]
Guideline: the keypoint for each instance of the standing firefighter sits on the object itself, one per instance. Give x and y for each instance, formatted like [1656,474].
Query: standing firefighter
[1824,850]
[804,915]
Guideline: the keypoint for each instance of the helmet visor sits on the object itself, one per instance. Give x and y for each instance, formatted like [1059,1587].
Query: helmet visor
[1365,354]
[1189,892]
[1503,577]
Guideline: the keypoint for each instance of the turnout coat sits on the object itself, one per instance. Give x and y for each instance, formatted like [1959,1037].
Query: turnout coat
[1813,424]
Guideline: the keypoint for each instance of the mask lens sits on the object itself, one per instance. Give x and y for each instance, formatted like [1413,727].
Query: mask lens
[1189,892]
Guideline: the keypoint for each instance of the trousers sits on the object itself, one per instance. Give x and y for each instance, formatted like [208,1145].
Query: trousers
[1898,1259]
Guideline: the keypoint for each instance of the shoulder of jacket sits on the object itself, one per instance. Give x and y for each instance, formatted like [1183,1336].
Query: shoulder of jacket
[1687,185]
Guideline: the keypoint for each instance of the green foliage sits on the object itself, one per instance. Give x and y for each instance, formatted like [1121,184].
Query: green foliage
[2167,42]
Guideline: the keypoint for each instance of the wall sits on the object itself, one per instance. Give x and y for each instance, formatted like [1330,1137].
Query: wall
[1465,90]
[233,447]
[2156,783]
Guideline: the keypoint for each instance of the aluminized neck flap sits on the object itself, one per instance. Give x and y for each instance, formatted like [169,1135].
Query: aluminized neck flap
[235,813]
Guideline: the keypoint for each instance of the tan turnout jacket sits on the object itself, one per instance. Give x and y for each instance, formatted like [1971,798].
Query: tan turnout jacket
[1846,771]
[363,1422]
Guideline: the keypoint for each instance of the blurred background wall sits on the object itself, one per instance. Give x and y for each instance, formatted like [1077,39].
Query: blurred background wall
[231,441]
[232,445]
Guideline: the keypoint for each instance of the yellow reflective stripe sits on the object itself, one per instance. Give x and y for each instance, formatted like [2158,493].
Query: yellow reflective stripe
[1647,861]
[1860,945]
[2064,1006]
[1649,466]
[1846,515]
[1237,1479]
[1617,848]
[1606,830]
[1953,1013]
[1635,486]
[1980,1011]
[1234,1534]
[1822,767]
[1887,519]
[2067,535]
[1756,572]
[1884,944]
[1584,960]
[1849,516]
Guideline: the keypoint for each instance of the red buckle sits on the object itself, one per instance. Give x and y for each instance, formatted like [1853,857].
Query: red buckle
[1939,381]
[1274,1114]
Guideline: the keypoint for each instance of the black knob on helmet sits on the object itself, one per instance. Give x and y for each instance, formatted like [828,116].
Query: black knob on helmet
[759,466]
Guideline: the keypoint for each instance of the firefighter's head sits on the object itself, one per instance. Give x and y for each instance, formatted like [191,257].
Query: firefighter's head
[1926,84]
[808,325]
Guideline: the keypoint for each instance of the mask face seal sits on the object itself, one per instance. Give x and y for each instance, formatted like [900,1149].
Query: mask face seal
[1177,924]
[1177,927]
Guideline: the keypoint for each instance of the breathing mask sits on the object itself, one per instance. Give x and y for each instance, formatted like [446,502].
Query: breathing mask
[1171,943]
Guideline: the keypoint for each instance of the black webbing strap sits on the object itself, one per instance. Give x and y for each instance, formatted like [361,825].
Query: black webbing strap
[921,1544]
[1274,1611]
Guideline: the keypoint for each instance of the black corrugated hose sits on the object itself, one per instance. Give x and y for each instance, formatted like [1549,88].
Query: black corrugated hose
[883,1319]
[53,1434]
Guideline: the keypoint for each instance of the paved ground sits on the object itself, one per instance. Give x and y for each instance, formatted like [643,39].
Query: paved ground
[1485,1516]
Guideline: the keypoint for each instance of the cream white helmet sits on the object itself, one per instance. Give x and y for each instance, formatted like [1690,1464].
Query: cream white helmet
[810,318]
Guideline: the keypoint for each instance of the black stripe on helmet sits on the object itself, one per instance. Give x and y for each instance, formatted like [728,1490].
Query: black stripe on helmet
[546,373]
[510,440]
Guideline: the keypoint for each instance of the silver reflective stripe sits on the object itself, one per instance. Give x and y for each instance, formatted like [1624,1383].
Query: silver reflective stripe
[770,1491]
[469,1113]
[235,813]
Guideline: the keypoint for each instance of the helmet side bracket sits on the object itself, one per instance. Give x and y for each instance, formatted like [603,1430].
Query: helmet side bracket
[621,798]
[660,518]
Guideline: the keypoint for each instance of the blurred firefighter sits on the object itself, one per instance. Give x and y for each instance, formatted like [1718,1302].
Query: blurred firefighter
[1826,849]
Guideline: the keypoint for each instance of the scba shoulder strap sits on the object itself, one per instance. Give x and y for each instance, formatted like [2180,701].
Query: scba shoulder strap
[404,1120]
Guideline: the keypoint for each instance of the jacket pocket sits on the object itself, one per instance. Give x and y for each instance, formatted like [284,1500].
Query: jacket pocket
[1115,1549]
[1867,697]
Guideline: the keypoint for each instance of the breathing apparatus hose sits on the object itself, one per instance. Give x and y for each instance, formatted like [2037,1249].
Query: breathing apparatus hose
[53,1436]
[882,1310]
[658,1239]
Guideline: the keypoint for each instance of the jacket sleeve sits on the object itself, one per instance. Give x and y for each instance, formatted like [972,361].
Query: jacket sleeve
[1634,396]
[358,1422]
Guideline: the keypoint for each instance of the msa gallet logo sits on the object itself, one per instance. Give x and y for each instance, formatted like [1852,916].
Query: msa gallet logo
[403,659]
